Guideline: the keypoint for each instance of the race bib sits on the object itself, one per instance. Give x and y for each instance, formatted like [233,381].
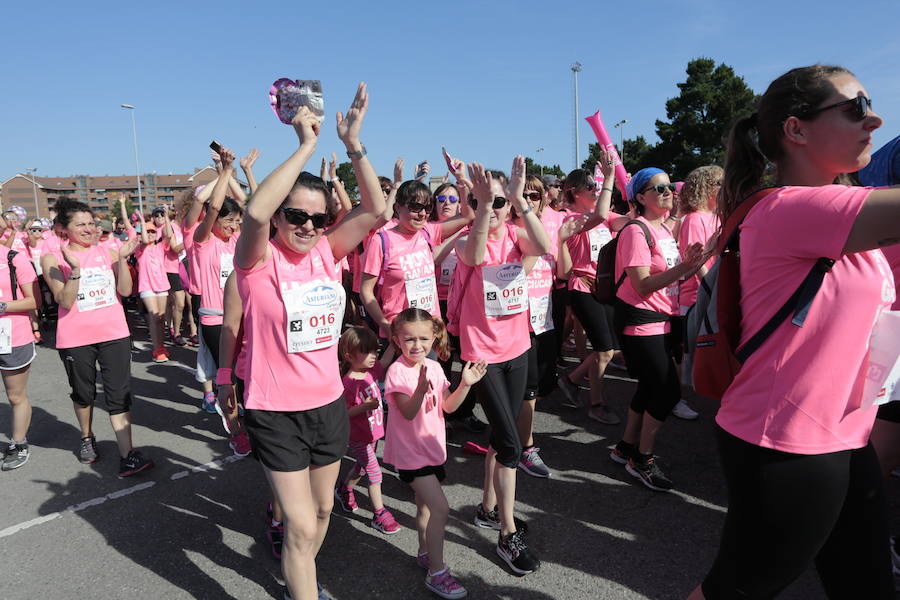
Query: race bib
[669,249]
[448,267]
[226,266]
[505,289]
[314,314]
[421,292]
[541,312]
[6,336]
[599,237]
[97,290]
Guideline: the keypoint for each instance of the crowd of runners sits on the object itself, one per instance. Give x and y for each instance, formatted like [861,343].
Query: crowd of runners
[324,325]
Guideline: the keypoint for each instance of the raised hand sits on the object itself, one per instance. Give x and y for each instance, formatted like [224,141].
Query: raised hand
[307,126]
[607,165]
[572,227]
[473,372]
[349,126]
[332,167]
[227,158]
[217,160]
[481,186]
[322,170]
[516,186]
[423,173]
[398,171]
[247,161]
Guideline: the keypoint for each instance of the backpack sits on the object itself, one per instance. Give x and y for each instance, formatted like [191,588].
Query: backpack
[605,285]
[713,331]
[13,280]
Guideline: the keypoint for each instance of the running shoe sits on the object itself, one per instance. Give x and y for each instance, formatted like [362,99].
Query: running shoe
[491,519]
[222,416]
[622,452]
[385,522]
[602,414]
[209,403]
[569,390]
[683,411]
[180,341]
[275,535]
[240,444]
[445,585]
[159,355]
[422,560]
[134,463]
[647,470]
[513,549]
[194,340]
[15,456]
[532,463]
[347,499]
[87,451]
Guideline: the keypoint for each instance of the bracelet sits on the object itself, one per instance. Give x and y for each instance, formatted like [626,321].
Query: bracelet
[74,278]
[526,210]
[606,189]
[223,376]
[357,154]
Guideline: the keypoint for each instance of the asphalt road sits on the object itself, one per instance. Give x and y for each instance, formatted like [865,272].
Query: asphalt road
[194,526]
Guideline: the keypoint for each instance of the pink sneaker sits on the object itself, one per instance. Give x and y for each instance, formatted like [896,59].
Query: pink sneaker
[347,499]
[240,444]
[385,522]
[444,585]
[422,560]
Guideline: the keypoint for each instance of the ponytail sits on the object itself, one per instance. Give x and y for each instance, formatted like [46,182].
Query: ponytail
[745,165]
[441,339]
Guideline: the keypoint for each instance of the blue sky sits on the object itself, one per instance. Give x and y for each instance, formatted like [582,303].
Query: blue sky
[487,80]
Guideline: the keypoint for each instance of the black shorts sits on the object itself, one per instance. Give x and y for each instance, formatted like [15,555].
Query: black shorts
[174,282]
[889,412]
[408,476]
[597,320]
[18,358]
[292,441]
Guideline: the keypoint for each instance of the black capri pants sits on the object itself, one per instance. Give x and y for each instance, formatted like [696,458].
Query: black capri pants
[211,335]
[114,360]
[542,364]
[501,392]
[650,361]
[597,320]
[787,510]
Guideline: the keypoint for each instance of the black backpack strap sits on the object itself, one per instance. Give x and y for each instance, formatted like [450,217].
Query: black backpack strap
[650,244]
[13,280]
[799,303]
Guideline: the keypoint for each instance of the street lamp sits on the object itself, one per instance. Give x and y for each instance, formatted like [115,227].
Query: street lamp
[576,68]
[137,165]
[621,128]
[37,211]
[536,152]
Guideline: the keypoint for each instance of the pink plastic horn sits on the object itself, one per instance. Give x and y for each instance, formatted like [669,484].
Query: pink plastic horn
[596,123]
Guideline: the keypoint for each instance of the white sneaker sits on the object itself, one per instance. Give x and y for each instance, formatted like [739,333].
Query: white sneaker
[683,411]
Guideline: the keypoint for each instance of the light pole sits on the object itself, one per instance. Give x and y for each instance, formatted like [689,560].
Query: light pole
[37,211]
[576,68]
[536,152]
[621,128]
[137,166]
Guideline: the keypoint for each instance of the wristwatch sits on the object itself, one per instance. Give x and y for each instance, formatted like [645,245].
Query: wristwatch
[526,210]
[358,154]
[2,307]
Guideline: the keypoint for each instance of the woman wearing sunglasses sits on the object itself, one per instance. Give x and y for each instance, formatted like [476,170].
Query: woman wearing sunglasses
[647,273]
[293,308]
[401,258]
[803,480]
[493,325]
[594,227]
[215,240]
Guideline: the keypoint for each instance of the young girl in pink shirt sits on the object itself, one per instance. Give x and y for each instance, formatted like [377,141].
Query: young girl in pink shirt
[153,287]
[418,395]
[361,371]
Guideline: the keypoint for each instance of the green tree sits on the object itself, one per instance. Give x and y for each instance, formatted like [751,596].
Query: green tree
[533,168]
[347,175]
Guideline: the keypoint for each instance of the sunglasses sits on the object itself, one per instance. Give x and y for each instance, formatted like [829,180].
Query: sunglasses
[415,207]
[499,202]
[660,188]
[556,185]
[533,196]
[36,231]
[450,199]
[298,217]
[861,107]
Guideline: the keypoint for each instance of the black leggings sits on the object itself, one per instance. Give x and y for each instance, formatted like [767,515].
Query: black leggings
[596,319]
[542,363]
[650,361]
[501,392]
[211,335]
[787,510]
[114,360]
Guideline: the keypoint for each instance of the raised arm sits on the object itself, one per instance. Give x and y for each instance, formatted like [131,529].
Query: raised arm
[533,239]
[169,231]
[247,167]
[569,228]
[472,252]
[197,200]
[217,199]
[340,192]
[878,223]
[601,208]
[347,234]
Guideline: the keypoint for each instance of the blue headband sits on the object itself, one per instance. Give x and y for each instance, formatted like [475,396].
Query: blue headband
[640,180]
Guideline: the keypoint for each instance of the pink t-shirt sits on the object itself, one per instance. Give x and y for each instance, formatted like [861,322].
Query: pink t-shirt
[278,380]
[97,314]
[583,249]
[193,280]
[20,322]
[634,252]
[695,227]
[35,252]
[213,263]
[366,426]
[409,278]
[501,337]
[422,441]
[111,242]
[172,259]
[801,391]
[151,271]
[20,244]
